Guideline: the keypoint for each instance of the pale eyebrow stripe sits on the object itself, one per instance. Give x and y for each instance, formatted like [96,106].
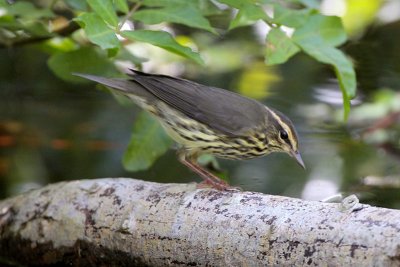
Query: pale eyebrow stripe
[284,125]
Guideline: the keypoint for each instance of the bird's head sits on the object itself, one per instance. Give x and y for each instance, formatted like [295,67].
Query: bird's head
[282,135]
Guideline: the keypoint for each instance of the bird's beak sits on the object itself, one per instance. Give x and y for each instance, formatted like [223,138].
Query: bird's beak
[297,156]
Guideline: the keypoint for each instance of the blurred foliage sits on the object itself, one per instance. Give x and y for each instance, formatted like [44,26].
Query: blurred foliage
[380,118]
[359,13]
[255,81]
[112,26]
[148,142]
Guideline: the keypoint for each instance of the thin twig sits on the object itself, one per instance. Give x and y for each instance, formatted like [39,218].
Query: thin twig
[130,13]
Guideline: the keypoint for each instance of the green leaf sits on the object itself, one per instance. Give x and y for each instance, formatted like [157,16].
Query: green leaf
[98,32]
[248,14]
[279,47]
[77,4]
[28,10]
[55,45]
[327,28]
[85,60]
[170,3]
[315,4]
[148,143]
[105,9]
[206,7]
[342,65]
[187,15]
[122,6]
[290,17]
[164,40]
[127,55]
[237,3]
[311,3]
[317,38]
[16,29]
[208,159]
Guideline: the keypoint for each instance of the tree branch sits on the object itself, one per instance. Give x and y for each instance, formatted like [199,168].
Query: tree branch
[127,222]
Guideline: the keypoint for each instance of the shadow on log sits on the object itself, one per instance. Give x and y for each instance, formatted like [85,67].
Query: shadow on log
[127,222]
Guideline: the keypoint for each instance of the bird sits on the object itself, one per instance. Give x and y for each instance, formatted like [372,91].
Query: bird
[203,119]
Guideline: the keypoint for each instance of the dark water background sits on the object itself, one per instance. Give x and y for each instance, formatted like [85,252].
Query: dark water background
[53,131]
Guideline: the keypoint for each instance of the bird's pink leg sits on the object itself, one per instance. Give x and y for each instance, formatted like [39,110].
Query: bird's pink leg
[208,177]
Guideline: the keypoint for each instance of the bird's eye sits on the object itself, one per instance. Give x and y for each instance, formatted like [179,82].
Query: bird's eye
[283,134]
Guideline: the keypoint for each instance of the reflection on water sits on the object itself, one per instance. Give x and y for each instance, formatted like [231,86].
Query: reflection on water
[52,131]
[328,93]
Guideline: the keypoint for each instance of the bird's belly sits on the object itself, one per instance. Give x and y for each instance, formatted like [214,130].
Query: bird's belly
[190,138]
[230,149]
[203,141]
[200,139]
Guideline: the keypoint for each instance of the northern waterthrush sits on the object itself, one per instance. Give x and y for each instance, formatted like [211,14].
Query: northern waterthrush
[204,119]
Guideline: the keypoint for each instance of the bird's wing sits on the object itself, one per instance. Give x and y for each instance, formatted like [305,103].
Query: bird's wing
[222,110]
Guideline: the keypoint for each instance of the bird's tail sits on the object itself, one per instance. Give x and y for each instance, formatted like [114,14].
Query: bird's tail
[130,88]
[123,85]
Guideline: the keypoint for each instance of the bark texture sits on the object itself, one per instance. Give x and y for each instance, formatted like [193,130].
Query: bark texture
[127,222]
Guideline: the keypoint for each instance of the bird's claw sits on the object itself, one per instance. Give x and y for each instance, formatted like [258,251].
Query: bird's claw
[222,186]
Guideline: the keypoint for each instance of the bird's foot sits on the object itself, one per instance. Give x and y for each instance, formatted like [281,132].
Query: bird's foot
[209,180]
[219,185]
